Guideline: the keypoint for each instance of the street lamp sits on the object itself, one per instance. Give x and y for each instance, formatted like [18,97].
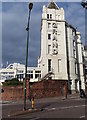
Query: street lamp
[84,4]
[27,29]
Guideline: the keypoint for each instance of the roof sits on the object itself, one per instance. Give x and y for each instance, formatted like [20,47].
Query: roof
[69,25]
[52,5]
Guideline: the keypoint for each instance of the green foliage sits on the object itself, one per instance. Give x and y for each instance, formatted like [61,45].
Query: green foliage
[12,82]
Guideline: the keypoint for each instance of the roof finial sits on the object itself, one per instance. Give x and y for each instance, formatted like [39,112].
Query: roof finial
[52,5]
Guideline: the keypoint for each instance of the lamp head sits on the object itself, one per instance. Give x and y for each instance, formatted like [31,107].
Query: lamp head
[30,6]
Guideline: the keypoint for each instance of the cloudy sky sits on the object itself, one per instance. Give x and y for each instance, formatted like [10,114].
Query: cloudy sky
[14,22]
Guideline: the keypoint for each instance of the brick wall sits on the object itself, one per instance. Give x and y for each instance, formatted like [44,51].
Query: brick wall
[12,93]
[50,88]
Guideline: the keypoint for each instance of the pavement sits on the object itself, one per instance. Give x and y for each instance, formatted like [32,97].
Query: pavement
[72,96]
[42,100]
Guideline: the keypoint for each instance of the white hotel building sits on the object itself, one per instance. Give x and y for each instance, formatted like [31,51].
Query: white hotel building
[61,52]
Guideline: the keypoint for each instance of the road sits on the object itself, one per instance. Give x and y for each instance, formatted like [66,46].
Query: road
[51,108]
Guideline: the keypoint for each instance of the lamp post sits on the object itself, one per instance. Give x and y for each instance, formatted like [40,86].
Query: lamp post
[84,5]
[27,29]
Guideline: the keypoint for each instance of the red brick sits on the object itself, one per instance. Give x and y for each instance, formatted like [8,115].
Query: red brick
[50,88]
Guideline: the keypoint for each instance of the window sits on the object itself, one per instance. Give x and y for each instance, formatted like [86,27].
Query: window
[49,36]
[10,77]
[4,72]
[50,16]
[20,76]
[49,25]
[73,33]
[58,17]
[37,74]
[47,16]
[49,49]
[59,65]
[73,43]
[30,74]
[49,65]
[74,53]
[30,71]
[76,71]
[37,71]
[20,71]
[11,72]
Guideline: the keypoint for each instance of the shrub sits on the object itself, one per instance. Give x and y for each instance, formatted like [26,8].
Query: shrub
[12,82]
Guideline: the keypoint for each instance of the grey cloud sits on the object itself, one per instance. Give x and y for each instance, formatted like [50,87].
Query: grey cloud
[75,15]
[14,33]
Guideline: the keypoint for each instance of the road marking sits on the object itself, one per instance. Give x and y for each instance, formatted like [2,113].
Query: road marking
[62,108]
[82,116]
[53,108]
[35,118]
[69,99]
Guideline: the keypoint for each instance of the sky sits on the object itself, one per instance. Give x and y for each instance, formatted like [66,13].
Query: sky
[14,35]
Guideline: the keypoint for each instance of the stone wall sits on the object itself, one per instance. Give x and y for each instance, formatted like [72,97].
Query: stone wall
[50,88]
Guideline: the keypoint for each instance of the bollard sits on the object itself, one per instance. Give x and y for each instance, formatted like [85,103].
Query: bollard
[33,103]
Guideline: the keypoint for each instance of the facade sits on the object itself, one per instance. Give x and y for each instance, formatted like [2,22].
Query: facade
[61,51]
[85,63]
[61,48]
[17,70]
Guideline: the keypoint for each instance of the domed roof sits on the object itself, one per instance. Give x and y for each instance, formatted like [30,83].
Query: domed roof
[52,5]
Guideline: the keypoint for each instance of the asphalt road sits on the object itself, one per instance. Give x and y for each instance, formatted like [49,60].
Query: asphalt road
[51,108]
